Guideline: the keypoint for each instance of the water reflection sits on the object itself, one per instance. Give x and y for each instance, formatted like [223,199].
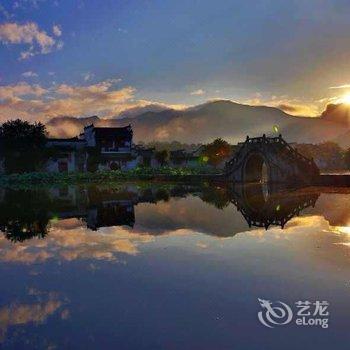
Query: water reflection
[36,312]
[267,205]
[25,214]
[85,265]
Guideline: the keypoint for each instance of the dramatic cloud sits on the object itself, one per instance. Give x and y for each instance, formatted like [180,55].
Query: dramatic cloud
[29,74]
[291,106]
[34,102]
[345,86]
[198,92]
[30,34]
[338,113]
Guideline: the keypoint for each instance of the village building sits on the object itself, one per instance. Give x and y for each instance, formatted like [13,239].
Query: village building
[66,155]
[107,148]
[98,148]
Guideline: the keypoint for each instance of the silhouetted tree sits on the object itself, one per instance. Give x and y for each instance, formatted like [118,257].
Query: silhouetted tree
[23,146]
[217,151]
[162,157]
[217,196]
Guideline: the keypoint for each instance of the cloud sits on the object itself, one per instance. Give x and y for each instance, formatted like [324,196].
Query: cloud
[29,74]
[29,34]
[57,30]
[291,106]
[345,86]
[338,113]
[198,92]
[11,93]
[34,102]
[88,76]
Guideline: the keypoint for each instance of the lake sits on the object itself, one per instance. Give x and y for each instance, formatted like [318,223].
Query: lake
[174,266]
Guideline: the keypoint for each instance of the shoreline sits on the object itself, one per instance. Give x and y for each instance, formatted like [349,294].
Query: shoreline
[187,175]
[157,175]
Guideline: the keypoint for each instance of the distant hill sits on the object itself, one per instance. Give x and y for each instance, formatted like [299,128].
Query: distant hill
[226,119]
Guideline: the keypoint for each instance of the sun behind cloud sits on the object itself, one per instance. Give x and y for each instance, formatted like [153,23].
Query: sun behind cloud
[344,99]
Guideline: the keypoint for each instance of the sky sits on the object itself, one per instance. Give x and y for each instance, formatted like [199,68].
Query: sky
[82,58]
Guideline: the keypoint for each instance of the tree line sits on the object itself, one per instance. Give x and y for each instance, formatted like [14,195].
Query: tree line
[22,149]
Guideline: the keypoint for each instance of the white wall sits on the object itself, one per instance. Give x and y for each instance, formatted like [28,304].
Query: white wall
[89,137]
[128,166]
[52,163]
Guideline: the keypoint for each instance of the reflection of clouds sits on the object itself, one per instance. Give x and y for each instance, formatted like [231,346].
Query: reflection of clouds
[20,314]
[202,245]
[310,240]
[70,242]
[190,213]
[343,229]
[299,224]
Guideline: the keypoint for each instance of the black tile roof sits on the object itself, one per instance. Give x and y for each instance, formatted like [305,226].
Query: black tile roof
[125,132]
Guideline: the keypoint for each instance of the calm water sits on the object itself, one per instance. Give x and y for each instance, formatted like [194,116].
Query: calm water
[134,266]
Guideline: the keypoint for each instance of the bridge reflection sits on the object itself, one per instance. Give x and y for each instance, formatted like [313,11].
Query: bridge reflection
[30,213]
[263,205]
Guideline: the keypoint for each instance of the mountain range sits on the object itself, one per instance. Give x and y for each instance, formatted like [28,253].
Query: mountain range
[223,118]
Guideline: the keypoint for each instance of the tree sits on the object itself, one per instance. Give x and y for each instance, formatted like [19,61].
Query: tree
[162,157]
[217,151]
[347,158]
[23,146]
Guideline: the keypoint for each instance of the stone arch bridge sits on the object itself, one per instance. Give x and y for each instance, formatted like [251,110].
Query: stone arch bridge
[270,159]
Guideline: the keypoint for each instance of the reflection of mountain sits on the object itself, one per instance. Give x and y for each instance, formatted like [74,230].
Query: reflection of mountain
[232,121]
[154,210]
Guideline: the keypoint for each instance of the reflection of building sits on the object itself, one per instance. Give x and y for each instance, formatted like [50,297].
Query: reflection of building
[105,207]
[112,213]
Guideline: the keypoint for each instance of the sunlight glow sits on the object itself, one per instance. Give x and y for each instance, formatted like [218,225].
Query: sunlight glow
[345,99]
[343,229]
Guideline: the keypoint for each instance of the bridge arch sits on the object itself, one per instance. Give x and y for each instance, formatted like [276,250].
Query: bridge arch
[256,168]
[270,159]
